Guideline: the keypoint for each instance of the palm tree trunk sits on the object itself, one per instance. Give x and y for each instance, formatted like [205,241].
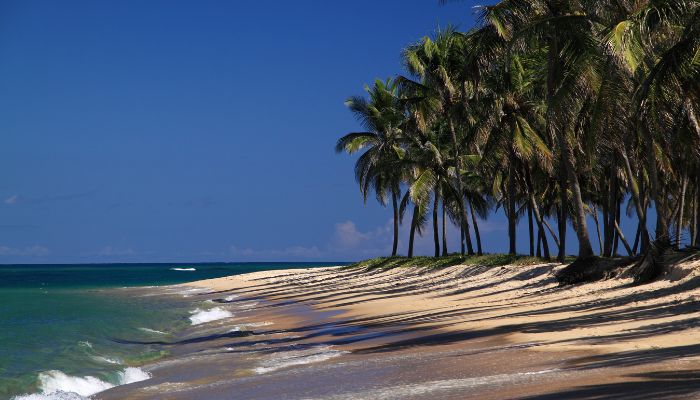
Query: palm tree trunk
[610,214]
[551,232]
[561,227]
[693,226]
[697,207]
[541,235]
[661,221]
[539,244]
[436,231]
[636,239]
[585,250]
[561,219]
[412,235]
[597,228]
[616,221]
[681,209]
[638,203]
[476,229]
[394,203]
[511,202]
[553,133]
[530,230]
[622,237]
[540,228]
[462,208]
[444,230]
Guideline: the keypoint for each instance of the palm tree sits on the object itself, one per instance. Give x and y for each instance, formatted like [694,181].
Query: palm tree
[553,109]
[436,63]
[381,116]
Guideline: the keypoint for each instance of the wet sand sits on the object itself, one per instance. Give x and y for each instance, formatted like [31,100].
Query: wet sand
[465,332]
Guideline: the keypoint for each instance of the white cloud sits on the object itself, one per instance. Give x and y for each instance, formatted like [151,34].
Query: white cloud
[347,235]
[12,199]
[29,251]
[293,251]
[349,242]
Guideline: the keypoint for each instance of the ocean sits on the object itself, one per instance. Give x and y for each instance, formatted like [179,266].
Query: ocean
[72,327]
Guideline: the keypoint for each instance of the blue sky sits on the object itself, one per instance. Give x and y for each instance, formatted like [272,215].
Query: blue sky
[188,131]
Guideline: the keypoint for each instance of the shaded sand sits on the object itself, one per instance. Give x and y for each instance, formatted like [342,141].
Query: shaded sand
[458,332]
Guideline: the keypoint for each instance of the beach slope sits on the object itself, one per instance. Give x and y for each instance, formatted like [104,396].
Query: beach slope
[460,332]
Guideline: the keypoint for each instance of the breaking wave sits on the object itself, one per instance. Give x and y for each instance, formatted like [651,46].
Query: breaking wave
[56,385]
[203,316]
[298,357]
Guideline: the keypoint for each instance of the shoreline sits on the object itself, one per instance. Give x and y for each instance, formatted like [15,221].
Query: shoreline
[456,332]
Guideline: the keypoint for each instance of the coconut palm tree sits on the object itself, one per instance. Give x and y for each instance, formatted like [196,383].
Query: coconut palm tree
[436,64]
[382,116]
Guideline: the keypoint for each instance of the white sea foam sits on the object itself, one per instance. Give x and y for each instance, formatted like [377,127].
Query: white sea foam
[231,297]
[107,360]
[132,375]
[149,330]
[52,396]
[248,305]
[85,344]
[56,385]
[203,316]
[435,388]
[183,269]
[240,327]
[190,291]
[298,357]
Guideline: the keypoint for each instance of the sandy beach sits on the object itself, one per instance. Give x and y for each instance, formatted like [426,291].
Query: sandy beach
[461,332]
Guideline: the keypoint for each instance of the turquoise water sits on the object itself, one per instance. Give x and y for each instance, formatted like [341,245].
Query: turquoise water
[65,318]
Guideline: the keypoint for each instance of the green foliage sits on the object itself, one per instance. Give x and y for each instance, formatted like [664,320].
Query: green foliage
[487,260]
[561,110]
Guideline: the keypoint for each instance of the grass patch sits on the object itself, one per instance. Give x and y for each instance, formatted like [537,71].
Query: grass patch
[489,260]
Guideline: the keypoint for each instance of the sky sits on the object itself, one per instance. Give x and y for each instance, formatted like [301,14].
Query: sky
[183,131]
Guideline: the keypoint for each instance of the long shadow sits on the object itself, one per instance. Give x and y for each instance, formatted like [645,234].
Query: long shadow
[637,357]
[656,385]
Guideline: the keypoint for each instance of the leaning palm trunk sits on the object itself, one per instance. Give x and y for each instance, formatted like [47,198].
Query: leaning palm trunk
[462,209]
[551,232]
[621,236]
[479,251]
[638,204]
[540,228]
[597,229]
[541,235]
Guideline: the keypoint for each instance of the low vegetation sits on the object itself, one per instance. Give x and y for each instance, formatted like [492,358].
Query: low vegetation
[488,260]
